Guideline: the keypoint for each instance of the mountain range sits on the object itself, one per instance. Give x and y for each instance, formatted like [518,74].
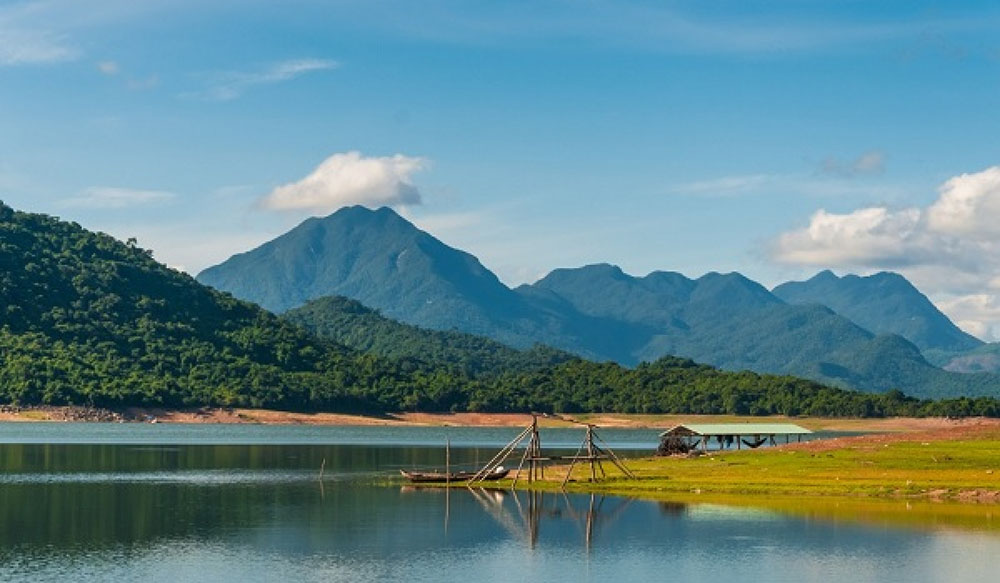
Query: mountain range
[86,319]
[864,333]
[885,303]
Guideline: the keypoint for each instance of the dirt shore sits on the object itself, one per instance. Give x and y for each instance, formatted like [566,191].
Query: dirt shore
[264,416]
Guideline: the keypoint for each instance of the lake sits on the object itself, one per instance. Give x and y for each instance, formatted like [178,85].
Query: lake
[100,502]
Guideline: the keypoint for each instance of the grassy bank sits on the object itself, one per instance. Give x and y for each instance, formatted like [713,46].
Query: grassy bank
[959,463]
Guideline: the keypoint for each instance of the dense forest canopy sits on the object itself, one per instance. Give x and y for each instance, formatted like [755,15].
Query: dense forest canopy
[350,323]
[86,319]
[601,313]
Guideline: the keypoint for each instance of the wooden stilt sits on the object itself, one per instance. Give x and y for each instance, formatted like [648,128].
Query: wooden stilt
[614,458]
[517,475]
[500,457]
[572,463]
[590,452]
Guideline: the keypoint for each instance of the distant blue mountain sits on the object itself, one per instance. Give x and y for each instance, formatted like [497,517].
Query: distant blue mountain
[598,311]
[382,260]
[733,322]
[885,303]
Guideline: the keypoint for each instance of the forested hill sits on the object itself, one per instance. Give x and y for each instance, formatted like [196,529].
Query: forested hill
[350,323]
[597,311]
[87,319]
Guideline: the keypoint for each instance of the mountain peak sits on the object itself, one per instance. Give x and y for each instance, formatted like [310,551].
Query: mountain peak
[825,275]
[592,273]
[360,213]
[884,303]
[376,257]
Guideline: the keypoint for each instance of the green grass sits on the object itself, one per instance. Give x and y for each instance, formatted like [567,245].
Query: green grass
[877,466]
[940,480]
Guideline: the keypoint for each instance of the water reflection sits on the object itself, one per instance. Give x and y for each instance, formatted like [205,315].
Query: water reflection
[262,513]
[521,514]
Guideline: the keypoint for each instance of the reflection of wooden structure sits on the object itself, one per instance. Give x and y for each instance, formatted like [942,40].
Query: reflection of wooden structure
[693,436]
[593,451]
[526,522]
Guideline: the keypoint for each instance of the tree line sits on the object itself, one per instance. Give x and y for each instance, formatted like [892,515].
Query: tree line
[88,320]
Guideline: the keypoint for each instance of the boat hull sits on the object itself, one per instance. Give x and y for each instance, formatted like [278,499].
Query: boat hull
[441,477]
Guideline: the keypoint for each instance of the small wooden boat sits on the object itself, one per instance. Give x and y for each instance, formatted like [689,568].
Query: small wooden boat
[442,477]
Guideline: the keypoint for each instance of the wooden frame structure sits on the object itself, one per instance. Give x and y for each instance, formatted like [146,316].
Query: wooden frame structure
[596,452]
[595,456]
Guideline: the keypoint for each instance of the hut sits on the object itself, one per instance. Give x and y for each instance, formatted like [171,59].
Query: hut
[688,437]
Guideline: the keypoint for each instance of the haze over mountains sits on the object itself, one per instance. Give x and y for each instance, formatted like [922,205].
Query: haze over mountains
[864,333]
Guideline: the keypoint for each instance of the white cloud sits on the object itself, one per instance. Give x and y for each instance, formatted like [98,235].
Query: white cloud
[144,83]
[725,186]
[350,179]
[870,236]
[867,164]
[108,67]
[950,249]
[230,85]
[107,197]
[969,205]
[792,184]
[31,46]
[977,314]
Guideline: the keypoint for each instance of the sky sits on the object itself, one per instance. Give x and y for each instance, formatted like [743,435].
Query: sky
[772,138]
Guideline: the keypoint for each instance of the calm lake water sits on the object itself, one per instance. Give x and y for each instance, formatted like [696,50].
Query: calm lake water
[95,502]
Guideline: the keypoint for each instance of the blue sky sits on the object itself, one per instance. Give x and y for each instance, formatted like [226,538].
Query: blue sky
[773,138]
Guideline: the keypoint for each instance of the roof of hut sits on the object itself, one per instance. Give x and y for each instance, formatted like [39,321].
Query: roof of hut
[736,429]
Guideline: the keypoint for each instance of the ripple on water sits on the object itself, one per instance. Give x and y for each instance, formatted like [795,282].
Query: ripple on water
[207,478]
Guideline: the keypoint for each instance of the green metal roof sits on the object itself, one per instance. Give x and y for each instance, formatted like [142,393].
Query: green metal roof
[737,429]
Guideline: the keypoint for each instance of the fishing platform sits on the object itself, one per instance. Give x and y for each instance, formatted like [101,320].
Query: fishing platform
[689,437]
[593,452]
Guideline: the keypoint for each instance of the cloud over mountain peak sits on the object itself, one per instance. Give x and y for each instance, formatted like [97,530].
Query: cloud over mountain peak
[351,179]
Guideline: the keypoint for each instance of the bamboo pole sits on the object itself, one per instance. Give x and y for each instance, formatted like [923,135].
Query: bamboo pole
[447,482]
[590,452]
[500,457]
[517,475]
[615,459]
[535,450]
[569,472]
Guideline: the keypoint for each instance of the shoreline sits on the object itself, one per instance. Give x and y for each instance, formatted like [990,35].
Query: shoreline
[944,465]
[929,461]
[224,416]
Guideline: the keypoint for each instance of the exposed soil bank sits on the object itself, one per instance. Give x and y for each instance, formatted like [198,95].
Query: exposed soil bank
[264,416]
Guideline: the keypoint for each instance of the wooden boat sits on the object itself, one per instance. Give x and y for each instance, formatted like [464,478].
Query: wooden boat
[442,477]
